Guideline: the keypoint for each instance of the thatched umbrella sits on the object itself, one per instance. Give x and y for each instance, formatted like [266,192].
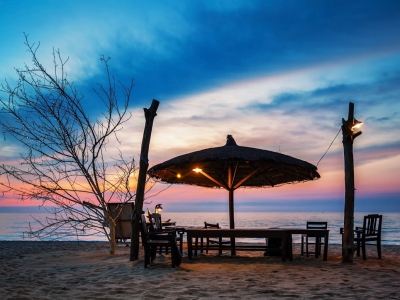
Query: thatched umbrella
[232,166]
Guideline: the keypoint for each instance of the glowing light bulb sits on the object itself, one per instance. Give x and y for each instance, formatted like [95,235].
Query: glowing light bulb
[357,125]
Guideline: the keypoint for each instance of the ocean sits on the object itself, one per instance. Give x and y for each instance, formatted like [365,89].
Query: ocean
[14,225]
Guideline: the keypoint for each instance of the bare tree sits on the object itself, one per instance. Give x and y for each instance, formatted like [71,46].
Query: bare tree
[65,163]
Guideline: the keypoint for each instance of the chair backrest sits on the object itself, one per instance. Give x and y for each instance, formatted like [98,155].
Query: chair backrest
[155,222]
[317,225]
[122,213]
[144,229]
[372,225]
[209,225]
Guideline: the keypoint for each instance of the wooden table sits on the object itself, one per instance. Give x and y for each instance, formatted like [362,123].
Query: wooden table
[282,234]
[163,223]
[193,233]
[323,233]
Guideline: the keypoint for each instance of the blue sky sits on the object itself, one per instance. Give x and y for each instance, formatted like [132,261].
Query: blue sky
[277,75]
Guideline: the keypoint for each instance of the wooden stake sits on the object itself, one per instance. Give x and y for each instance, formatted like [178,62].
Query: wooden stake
[348,230]
[149,114]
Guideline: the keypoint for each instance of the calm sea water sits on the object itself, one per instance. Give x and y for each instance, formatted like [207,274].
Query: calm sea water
[13,225]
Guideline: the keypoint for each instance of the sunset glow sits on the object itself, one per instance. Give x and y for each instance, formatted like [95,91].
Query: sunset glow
[275,75]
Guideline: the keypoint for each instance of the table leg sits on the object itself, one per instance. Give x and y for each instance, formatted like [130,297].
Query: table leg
[189,245]
[317,246]
[181,242]
[233,247]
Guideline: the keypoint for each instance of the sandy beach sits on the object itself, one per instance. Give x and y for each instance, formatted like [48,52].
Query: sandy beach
[85,270]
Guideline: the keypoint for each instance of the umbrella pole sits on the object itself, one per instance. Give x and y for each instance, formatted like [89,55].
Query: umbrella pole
[231,211]
[231,220]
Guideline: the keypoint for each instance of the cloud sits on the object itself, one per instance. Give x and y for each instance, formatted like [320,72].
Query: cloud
[276,75]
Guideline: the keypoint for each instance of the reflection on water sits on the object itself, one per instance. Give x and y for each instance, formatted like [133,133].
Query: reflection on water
[12,226]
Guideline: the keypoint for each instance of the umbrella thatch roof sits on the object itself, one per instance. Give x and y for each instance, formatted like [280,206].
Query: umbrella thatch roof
[250,167]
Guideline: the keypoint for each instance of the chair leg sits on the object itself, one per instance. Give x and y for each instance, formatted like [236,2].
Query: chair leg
[172,256]
[363,251]
[358,248]
[320,245]
[153,253]
[196,244]
[146,257]
[307,246]
[181,243]
[207,245]
[302,245]
[317,246]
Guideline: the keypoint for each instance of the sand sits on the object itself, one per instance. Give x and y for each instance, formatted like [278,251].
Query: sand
[85,270]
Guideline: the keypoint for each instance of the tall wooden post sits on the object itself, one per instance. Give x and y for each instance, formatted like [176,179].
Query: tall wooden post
[348,230]
[149,114]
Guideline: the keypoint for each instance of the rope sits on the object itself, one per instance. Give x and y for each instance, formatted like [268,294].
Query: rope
[329,146]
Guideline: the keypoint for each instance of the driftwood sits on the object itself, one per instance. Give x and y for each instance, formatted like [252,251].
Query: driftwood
[348,138]
[149,114]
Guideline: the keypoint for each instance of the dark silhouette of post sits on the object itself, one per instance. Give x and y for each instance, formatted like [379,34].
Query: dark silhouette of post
[348,231]
[149,114]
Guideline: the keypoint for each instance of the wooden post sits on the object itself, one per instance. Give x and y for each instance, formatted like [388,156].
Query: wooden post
[149,114]
[348,230]
[113,242]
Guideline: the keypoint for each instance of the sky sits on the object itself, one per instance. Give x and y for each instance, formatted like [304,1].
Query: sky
[277,75]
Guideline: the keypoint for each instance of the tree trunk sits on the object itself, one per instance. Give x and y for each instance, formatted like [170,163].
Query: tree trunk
[149,114]
[348,230]
[348,236]
[112,235]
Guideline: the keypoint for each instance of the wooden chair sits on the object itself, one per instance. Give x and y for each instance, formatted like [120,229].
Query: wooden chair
[371,231]
[156,226]
[209,241]
[152,240]
[155,222]
[318,240]
[122,213]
